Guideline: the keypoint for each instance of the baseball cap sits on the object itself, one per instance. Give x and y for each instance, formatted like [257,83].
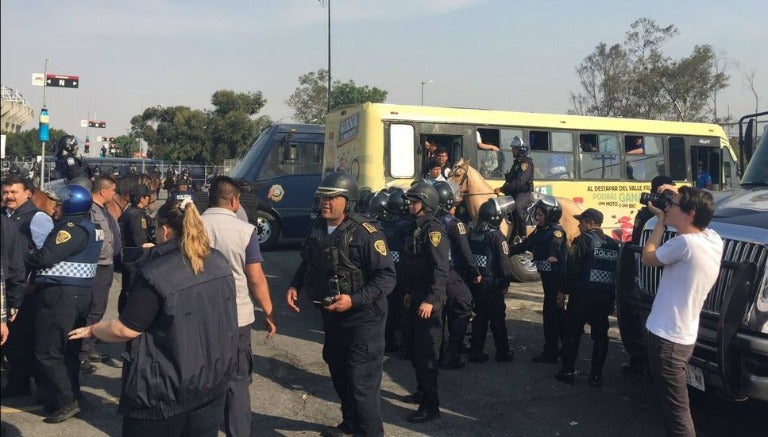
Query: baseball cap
[590,214]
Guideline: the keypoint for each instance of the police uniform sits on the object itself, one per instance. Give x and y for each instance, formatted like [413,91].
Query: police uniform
[66,269]
[458,308]
[136,230]
[543,242]
[353,260]
[591,288]
[396,230]
[518,183]
[69,166]
[426,257]
[491,251]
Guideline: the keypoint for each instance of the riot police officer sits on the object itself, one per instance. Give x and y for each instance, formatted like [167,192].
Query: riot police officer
[68,165]
[346,271]
[518,183]
[137,233]
[426,258]
[182,190]
[490,248]
[458,307]
[66,270]
[590,286]
[547,243]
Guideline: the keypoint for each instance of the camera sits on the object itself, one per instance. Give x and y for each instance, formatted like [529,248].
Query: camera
[661,201]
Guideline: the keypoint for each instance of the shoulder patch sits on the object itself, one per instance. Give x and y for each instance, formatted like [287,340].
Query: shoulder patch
[558,234]
[462,229]
[505,247]
[70,225]
[369,227]
[143,223]
[434,238]
[524,166]
[63,237]
[380,247]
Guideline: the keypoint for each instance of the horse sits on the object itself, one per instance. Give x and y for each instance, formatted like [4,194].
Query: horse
[44,202]
[476,190]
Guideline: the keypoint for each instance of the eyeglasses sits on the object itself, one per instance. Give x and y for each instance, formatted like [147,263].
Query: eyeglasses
[671,203]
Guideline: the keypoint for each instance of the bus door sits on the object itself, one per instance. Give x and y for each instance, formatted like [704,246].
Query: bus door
[446,136]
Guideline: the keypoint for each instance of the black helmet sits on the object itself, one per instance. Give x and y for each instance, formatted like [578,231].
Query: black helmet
[182,180]
[444,194]
[396,202]
[66,145]
[552,209]
[427,194]
[338,183]
[377,207]
[493,210]
[364,197]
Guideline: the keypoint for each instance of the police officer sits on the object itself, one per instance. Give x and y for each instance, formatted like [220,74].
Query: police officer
[458,307]
[490,248]
[591,287]
[346,271]
[137,232]
[66,270]
[518,183]
[182,190]
[169,184]
[547,243]
[68,165]
[426,257]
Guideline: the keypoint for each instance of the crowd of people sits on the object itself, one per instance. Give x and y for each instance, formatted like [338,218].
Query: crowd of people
[403,274]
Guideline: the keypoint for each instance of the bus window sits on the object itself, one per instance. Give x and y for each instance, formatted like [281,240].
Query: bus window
[588,143]
[608,144]
[505,147]
[606,163]
[401,151]
[647,165]
[677,159]
[272,167]
[552,165]
[562,142]
[539,140]
[488,160]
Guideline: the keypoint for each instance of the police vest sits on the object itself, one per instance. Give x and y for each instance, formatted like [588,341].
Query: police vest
[454,250]
[181,195]
[599,269]
[164,373]
[540,243]
[78,269]
[485,257]
[395,230]
[418,266]
[330,271]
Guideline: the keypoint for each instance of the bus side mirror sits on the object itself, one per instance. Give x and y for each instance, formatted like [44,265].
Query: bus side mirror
[749,140]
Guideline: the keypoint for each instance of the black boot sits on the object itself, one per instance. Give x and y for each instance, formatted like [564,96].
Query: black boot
[599,353]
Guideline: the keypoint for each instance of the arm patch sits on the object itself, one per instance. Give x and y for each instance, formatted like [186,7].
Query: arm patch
[369,227]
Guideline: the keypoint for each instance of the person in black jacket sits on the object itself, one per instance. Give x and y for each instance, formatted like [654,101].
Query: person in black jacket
[591,287]
[136,231]
[347,272]
[14,278]
[518,183]
[170,385]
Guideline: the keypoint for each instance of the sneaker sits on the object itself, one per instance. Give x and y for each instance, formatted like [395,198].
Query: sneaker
[63,413]
[566,377]
[86,367]
[478,357]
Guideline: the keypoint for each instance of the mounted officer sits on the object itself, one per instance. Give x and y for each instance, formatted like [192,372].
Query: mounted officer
[518,183]
[68,165]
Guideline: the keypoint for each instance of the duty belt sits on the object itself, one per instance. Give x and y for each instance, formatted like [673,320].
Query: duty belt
[70,270]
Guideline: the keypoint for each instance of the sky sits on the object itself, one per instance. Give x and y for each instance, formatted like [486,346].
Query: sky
[494,54]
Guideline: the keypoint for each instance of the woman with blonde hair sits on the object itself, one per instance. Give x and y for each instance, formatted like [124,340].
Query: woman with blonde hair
[181,323]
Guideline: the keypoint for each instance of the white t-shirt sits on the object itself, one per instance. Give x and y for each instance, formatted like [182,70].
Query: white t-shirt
[691,265]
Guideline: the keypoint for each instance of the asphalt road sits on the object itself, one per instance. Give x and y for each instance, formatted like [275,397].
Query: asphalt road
[292,394]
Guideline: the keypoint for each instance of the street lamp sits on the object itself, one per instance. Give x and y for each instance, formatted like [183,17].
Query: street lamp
[424,82]
[328,3]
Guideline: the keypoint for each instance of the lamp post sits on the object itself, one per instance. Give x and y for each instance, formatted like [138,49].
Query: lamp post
[424,82]
[328,4]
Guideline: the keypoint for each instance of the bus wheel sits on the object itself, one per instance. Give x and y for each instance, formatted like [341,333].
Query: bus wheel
[268,228]
[523,268]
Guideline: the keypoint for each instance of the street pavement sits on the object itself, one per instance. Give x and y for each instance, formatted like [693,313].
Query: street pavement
[292,393]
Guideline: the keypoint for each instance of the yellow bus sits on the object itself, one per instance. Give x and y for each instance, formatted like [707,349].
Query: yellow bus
[588,159]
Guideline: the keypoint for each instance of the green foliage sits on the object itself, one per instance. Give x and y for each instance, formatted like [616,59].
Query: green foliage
[27,143]
[635,79]
[310,100]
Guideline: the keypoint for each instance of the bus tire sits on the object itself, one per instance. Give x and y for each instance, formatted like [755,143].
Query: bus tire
[268,228]
[523,268]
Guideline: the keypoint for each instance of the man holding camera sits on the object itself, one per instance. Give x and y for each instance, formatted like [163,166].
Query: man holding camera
[691,262]
[347,272]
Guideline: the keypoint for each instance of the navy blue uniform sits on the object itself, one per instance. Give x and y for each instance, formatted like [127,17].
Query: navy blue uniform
[518,183]
[544,242]
[66,270]
[396,230]
[426,258]
[591,288]
[136,229]
[352,260]
[490,249]
[458,307]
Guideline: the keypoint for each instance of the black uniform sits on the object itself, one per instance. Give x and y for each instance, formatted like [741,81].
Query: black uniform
[182,194]
[490,249]
[546,241]
[69,166]
[458,308]
[352,260]
[136,230]
[591,288]
[518,183]
[66,269]
[426,258]
[396,230]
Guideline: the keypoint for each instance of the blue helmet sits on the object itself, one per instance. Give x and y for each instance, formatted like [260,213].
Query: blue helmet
[78,201]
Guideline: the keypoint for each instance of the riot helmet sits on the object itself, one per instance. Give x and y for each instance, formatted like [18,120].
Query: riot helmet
[364,197]
[518,143]
[425,193]
[377,207]
[338,183]
[182,180]
[78,200]
[66,145]
[396,203]
[551,208]
[445,195]
[82,181]
[493,210]
[14,169]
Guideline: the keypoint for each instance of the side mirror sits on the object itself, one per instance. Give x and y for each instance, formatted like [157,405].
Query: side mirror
[749,140]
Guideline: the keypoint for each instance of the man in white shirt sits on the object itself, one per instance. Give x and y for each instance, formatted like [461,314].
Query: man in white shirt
[691,262]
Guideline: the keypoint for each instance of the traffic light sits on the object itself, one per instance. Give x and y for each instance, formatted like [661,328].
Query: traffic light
[127,150]
[99,124]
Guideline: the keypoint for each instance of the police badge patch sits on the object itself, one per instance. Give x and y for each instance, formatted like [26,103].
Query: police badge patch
[380,247]
[462,229]
[558,234]
[505,247]
[63,237]
[524,166]
[434,237]
[143,223]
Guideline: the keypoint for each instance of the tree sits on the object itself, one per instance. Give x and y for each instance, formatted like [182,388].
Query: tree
[27,143]
[635,79]
[310,100]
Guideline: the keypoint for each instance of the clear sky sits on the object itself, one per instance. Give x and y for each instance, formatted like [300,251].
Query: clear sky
[497,54]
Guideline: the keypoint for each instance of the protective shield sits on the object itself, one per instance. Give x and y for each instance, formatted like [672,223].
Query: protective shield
[57,190]
[504,204]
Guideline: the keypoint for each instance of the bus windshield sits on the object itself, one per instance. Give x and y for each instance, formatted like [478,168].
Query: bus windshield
[757,170]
